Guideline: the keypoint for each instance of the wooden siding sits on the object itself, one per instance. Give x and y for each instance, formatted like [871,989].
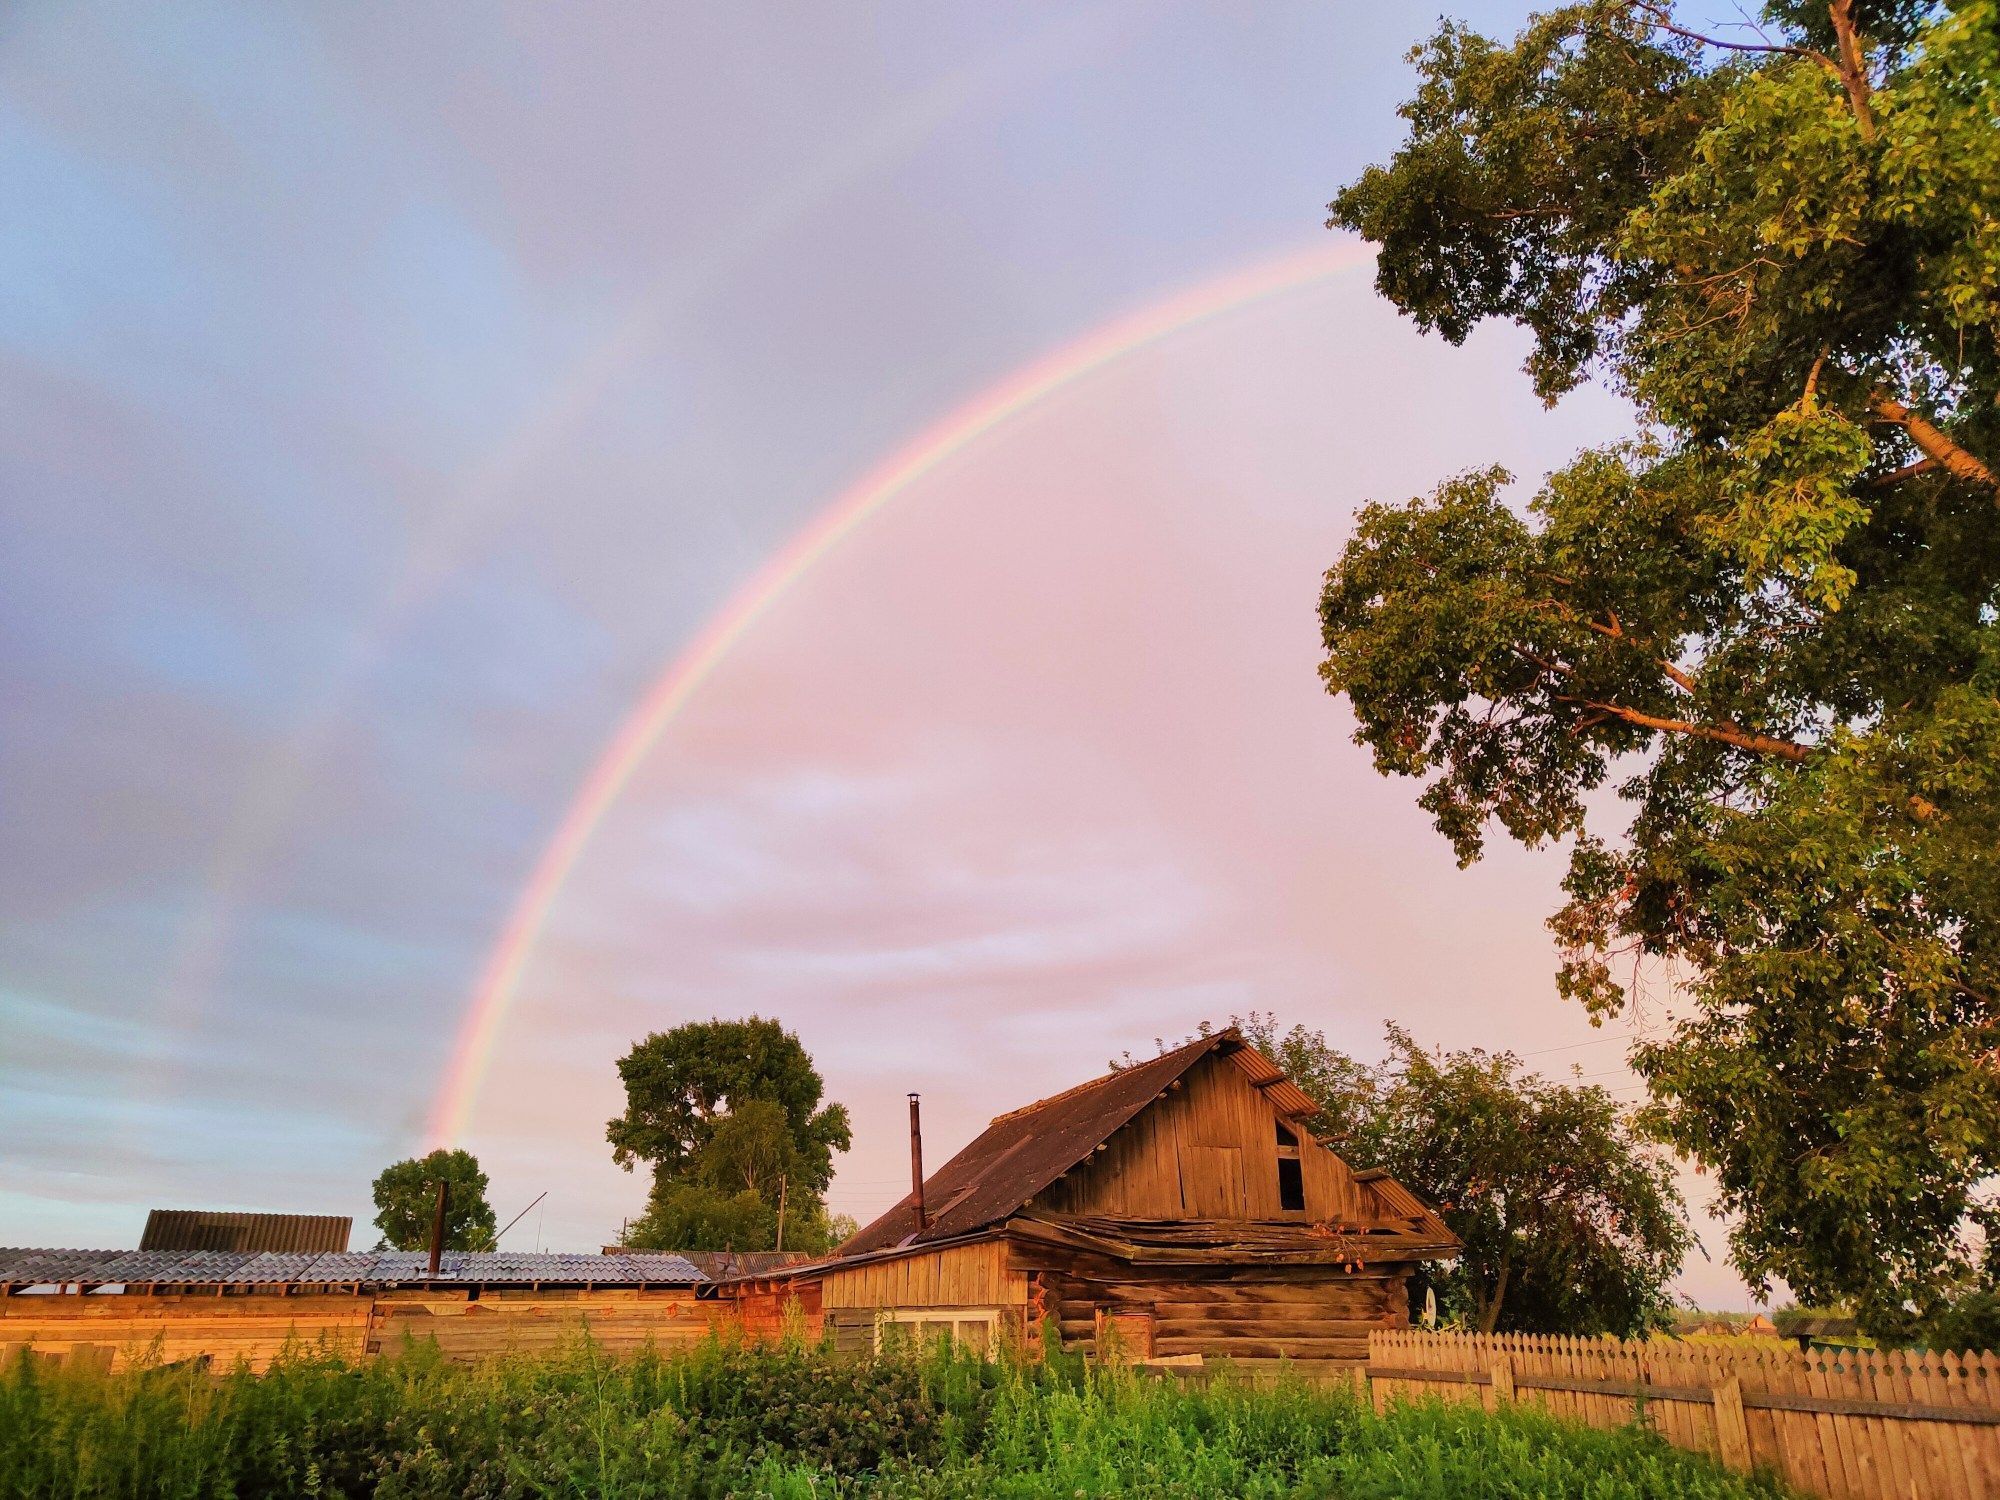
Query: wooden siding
[1208,1149]
[974,1275]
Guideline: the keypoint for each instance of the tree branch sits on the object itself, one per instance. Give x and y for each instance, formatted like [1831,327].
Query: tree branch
[1921,808]
[1853,69]
[1932,440]
[1896,476]
[1662,21]
[1723,734]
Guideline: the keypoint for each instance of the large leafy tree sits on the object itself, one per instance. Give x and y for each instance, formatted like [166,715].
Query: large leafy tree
[730,1116]
[1770,618]
[406,1202]
[1571,1222]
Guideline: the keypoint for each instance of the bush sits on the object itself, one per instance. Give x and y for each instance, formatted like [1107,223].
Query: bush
[727,1420]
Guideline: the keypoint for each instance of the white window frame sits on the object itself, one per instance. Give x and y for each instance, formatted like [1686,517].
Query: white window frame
[947,1319]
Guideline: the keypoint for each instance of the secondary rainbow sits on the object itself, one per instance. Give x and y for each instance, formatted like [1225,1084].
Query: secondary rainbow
[487,1007]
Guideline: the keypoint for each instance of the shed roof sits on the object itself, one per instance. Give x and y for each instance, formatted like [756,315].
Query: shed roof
[1022,1152]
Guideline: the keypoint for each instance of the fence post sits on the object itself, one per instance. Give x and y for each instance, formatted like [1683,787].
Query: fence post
[1503,1379]
[1732,1432]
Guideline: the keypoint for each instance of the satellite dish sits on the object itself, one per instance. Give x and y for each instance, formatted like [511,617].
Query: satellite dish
[1430,1307]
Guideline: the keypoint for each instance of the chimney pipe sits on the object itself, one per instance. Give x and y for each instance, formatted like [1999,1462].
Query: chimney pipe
[917,1165]
[437,1226]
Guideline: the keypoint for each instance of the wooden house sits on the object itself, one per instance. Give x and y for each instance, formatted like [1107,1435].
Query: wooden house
[1182,1203]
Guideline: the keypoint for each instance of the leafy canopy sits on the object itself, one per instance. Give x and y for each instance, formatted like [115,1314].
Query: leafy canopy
[1571,1223]
[1769,620]
[406,1202]
[729,1114]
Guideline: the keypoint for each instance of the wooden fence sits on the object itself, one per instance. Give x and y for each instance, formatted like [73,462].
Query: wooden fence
[1847,1423]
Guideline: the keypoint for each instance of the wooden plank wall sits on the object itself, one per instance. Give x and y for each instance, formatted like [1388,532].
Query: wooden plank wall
[1318,1317]
[256,1327]
[174,1328]
[1848,1424]
[1214,1109]
[974,1275]
[621,1320]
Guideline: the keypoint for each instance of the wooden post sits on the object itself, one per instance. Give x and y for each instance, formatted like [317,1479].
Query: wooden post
[1732,1432]
[1503,1379]
[781,1214]
[437,1227]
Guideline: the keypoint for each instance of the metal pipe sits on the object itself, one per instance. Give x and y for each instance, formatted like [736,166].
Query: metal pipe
[437,1226]
[495,1243]
[917,1165]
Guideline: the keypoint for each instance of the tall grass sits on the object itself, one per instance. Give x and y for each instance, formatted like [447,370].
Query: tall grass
[792,1423]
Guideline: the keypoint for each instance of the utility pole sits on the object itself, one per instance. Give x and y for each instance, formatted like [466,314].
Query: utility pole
[782,1184]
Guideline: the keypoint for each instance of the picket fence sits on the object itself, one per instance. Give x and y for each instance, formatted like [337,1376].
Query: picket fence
[1841,1423]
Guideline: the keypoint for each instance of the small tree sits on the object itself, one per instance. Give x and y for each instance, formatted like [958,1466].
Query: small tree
[1571,1224]
[729,1114]
[690,1216]
[406,1202]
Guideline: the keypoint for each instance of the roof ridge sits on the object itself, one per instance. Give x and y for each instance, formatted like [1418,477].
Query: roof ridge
[1116,1073]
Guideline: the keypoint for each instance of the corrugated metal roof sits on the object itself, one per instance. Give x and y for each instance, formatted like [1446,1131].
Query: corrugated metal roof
[226,1229]
[365,1268]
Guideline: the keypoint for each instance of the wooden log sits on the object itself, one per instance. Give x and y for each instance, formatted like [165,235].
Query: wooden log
[1244,1348]
[1343,1300]
[1268,1328]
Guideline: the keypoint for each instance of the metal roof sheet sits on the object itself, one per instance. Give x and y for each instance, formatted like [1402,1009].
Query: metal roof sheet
[363,1267]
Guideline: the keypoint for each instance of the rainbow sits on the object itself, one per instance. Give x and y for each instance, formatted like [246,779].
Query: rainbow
[487,1006]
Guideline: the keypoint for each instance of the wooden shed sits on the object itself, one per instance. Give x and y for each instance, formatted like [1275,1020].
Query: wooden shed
[1182,1202]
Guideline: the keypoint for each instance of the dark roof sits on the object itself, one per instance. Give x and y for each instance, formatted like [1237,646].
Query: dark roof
[212,1229]
[1021,1153]
[343,1268]
[720,1265]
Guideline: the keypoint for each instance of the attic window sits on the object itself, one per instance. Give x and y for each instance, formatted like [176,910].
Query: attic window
[1291,1172]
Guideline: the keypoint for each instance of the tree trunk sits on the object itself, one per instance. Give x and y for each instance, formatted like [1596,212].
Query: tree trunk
[1490,1314]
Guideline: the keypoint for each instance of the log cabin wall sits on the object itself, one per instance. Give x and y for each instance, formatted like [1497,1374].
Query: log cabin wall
[1318,1317]
[1209,1150]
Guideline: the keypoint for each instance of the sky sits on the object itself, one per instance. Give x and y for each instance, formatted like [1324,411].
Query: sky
[396,395]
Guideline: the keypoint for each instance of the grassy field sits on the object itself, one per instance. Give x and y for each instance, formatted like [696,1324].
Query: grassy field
[791,1422]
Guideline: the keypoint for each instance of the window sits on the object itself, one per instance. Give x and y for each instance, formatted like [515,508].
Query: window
[1291,1172]
[973,1328]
